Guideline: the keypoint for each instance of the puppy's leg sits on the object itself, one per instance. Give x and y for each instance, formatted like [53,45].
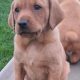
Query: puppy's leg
[75,57]
[65,72]
[54,72]
[19,71]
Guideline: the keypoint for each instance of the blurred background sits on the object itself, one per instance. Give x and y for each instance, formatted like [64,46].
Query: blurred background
[6,34]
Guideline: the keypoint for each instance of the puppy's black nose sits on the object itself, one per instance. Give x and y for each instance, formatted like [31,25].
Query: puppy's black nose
[23,24]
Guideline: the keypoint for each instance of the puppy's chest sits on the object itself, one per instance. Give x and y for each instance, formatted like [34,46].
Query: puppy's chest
[32,56]
[35,63]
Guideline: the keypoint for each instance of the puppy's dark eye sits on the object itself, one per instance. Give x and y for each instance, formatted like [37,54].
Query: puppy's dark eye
[17,10]
[37,7]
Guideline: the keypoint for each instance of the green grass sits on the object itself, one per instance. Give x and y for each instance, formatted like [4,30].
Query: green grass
[6,34]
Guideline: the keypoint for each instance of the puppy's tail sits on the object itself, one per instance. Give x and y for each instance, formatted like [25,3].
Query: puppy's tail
[71,37]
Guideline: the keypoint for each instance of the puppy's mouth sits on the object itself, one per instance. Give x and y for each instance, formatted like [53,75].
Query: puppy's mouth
[28,34]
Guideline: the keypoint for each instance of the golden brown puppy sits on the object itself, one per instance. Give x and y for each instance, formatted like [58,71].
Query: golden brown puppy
[70,29]
[38,53]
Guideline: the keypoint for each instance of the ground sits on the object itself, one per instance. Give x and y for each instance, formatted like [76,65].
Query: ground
[75,72]
[6,34]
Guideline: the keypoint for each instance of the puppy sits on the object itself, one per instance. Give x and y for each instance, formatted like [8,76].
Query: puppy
[38,53]
[70,29]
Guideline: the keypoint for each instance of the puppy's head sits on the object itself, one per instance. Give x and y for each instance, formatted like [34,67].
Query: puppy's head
[31,17]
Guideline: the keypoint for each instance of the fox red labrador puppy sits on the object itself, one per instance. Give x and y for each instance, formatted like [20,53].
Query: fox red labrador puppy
[38,52]
[70,29]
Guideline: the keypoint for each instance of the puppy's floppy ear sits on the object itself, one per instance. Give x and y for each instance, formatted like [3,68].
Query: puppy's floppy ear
[11,17]
[56,14]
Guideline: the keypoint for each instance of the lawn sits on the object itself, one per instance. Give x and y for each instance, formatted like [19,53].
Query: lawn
[6,34]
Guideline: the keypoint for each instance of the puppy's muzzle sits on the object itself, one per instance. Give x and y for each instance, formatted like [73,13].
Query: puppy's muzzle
[23,24]
[24,28]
